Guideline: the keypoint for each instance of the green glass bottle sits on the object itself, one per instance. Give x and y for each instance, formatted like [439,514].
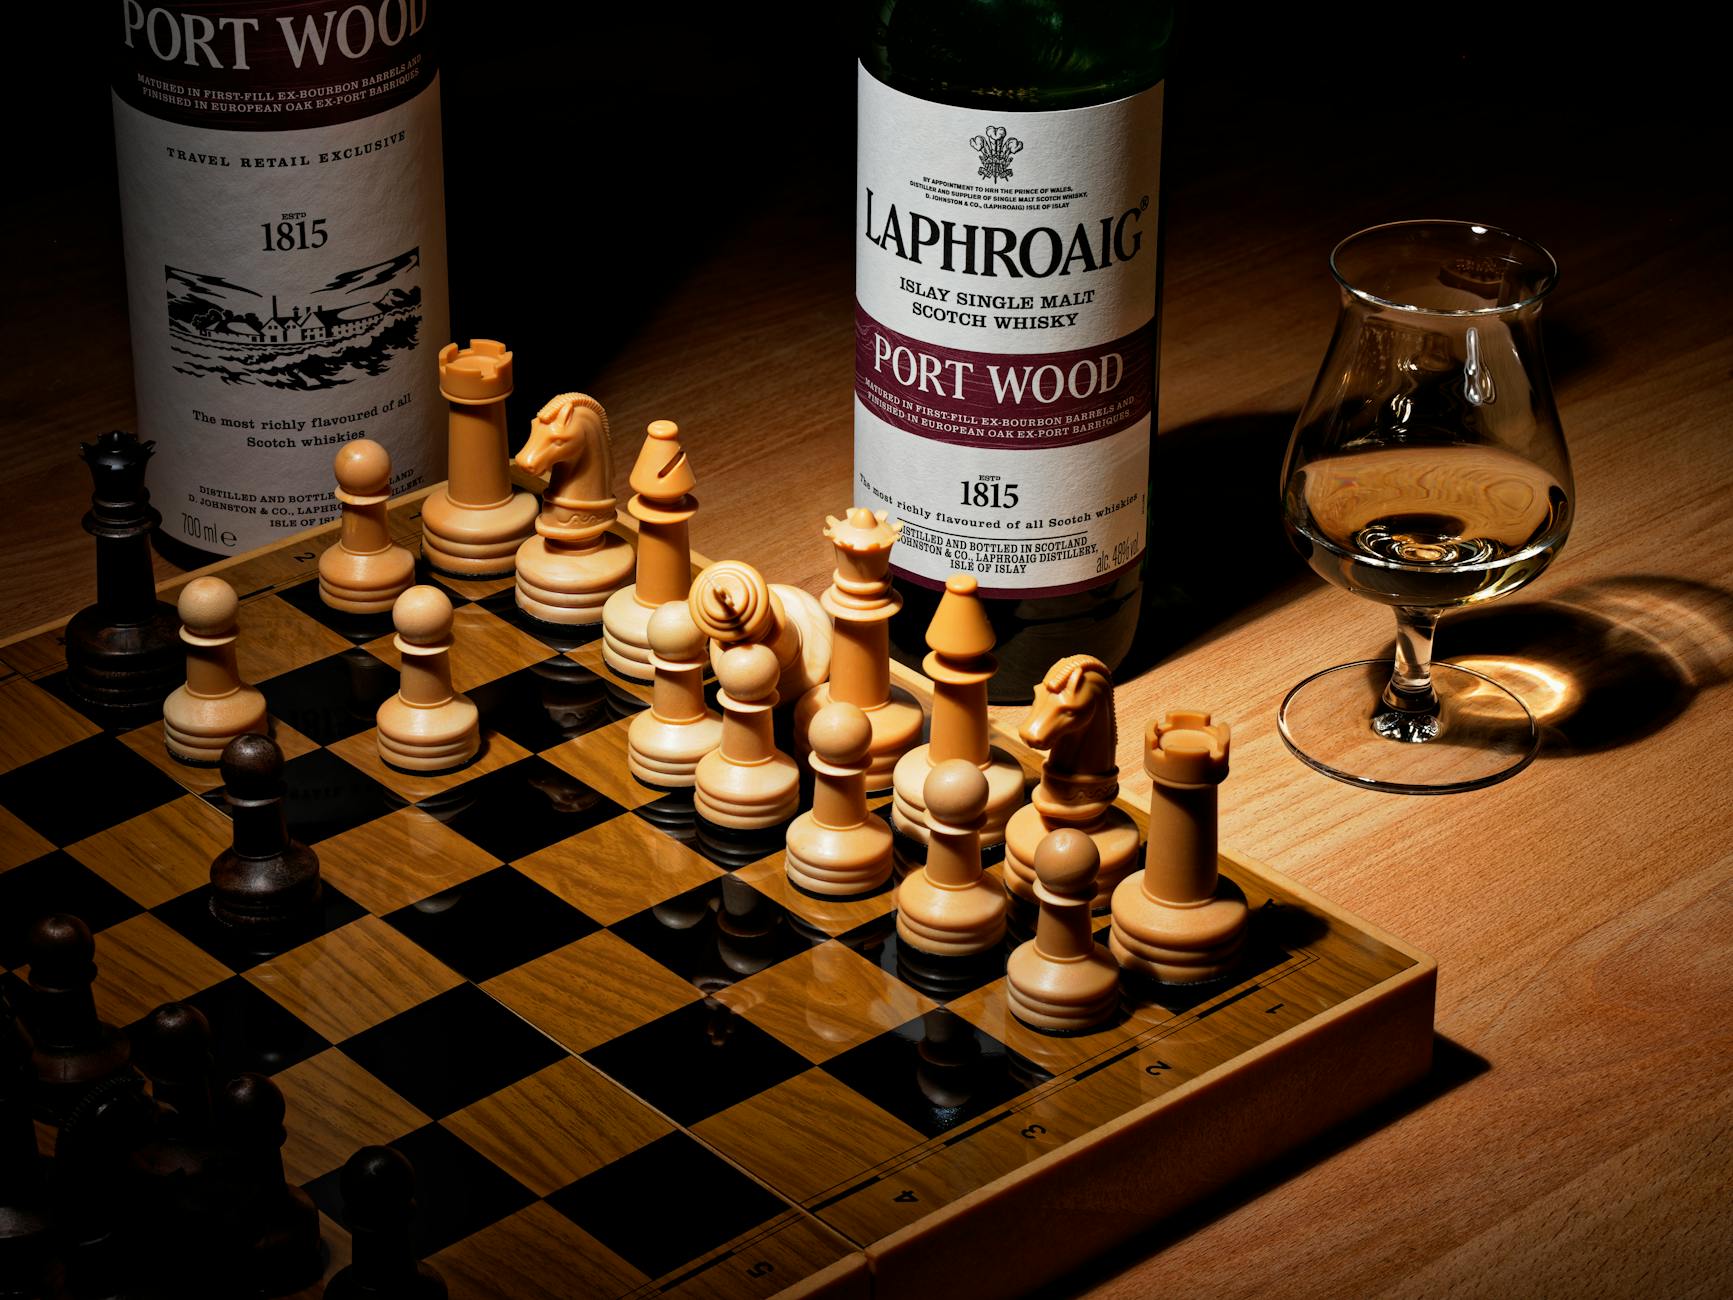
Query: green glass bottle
[1007,291]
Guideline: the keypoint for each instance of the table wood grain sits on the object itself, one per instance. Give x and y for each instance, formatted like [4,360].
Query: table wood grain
[1574,1136]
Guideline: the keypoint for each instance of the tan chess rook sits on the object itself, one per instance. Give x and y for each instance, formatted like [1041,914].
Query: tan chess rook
[948,908]
[1072,719]
[1179,920]
[1062,981]
[472,527]
[215,705]
[426,726]
[364,573]
[839,848]
[569,569]
[733,604]
[666,741]
[960,664]
[861,604]
[746,783]
[663,504]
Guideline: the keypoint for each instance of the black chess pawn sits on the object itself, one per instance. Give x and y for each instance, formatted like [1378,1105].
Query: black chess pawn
[265,880]
[274,1227]
[379,1211]
[124,653]
[25,1225]
[71,1047]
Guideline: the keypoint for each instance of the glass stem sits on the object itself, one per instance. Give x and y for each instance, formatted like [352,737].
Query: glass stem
[1409,709]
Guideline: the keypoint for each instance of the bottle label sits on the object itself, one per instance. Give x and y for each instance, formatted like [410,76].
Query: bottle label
[1005,282]
[283,211]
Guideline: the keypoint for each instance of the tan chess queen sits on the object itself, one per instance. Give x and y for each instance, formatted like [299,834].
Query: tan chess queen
[567,571]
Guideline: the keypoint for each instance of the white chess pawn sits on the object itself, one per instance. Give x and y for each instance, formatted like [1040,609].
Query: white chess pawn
[426,726]
[746,783]
[215,705]
[948,908]
[839,848]
[666,741]
[1178,920]
[1062,981]
[363,573]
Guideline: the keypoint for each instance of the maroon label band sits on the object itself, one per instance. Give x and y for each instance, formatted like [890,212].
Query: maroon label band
[243,65]
[1005,400]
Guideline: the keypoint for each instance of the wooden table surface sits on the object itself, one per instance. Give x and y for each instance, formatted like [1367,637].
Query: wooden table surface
[1574,1135]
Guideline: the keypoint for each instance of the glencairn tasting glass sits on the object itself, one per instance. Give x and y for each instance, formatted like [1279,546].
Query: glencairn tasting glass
[1427,470]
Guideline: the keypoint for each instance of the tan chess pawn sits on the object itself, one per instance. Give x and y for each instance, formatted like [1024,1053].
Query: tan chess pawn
[960,665]
[861,604]
[574,563]
[363,572]
[1072,719]
[215,705]
[949,908]
[733,604]
[666,741]
[473,525]
[663,504]
[746,783]
[839,848]
[426,726]
[1062,981]
[1179,920]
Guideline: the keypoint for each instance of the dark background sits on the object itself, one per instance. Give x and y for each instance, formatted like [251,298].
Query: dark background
[596,154]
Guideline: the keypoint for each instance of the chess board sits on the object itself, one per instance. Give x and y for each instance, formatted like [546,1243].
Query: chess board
[625,1056]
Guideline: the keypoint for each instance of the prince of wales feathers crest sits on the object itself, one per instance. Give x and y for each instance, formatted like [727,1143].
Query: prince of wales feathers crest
[996,149]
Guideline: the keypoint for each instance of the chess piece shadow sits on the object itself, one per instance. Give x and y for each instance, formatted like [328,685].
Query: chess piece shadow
[1602,663]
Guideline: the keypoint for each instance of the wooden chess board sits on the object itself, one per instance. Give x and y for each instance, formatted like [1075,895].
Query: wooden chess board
[624,1055]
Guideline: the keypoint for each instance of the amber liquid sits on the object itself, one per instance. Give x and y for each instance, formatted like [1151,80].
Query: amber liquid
[1425,525]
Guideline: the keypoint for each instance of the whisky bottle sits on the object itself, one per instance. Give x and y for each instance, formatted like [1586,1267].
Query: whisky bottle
[1007,286]
[283,210]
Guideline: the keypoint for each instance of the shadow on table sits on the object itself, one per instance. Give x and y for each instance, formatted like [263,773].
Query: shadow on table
[1602,663]
[1452,1066]
[1217,549]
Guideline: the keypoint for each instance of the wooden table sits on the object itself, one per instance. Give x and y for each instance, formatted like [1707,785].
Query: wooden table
[1574,1135]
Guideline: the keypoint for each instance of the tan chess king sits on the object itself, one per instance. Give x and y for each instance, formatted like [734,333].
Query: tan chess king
[473,525]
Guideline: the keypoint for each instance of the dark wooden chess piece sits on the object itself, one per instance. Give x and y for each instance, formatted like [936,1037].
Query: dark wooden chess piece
[93,1205]
[265,880]
[25,1226]
[124,653]
[275,1245]
[379,1210]
[71,1047]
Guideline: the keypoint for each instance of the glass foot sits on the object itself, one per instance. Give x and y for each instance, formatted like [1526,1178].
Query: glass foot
[1336,722]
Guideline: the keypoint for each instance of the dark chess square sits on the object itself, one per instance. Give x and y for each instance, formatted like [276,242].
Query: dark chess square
[555,636]
[54,882]
[695,1061]
[666,1203]
[84,788]
[933,1073]
[253,1032]
[333,697]
[716,933]
[325,796]
[240,950]
[491,924]
[451,1050]
[457,1189]
[521,809]
[549,703]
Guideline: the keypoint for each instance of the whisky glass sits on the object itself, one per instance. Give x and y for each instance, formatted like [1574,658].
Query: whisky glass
[1426,471]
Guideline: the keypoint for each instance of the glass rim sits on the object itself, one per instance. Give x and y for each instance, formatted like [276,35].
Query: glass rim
[1477,228]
